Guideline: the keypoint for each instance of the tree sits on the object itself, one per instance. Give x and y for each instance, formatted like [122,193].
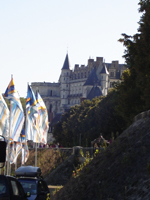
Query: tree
[84,123]
[135,88]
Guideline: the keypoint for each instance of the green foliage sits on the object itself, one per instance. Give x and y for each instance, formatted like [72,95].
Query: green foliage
[82,124]
[134,90]
[23,102]
[7,102]
[78,170]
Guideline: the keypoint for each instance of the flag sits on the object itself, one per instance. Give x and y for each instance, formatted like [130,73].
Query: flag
[42,119]
[4,118]
[19,145]
[18,151]
[16,111]
[25,153]
[23,136]
[32,129]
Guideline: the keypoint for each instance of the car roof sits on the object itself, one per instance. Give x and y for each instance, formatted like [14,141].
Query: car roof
[28,171]
[7,176]
[28,178]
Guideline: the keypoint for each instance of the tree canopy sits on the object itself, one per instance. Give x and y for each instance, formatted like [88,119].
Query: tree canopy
[82,124]
[135,88]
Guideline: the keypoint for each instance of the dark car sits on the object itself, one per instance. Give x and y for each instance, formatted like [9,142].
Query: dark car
[11,189]
[32,182]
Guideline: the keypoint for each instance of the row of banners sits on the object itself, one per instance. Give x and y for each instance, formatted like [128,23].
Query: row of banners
[18,129]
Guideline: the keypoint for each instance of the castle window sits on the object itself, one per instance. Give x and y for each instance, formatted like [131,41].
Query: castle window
[75,76]
[64,79]
[85,74]
[112,74]
[49,92]
[81,75]
[78,75]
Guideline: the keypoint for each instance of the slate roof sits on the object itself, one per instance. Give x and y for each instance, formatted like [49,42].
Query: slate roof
[92,78]
[104,70]
[95,92]
[66,63]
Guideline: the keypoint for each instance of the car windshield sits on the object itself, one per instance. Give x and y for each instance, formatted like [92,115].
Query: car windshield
[2,187]
[29,186]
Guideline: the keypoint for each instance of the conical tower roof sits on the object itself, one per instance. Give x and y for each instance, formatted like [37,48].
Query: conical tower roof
[92,78]
[104,70]
[95,92]
[66,63]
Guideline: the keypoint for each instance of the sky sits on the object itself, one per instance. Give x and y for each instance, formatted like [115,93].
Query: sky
[35,36]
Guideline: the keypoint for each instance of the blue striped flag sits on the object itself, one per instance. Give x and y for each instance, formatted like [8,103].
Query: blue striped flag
[23,136]
[18,151]
[25,153]
[25,150]
[42,119]
[32,129]
[4,118]
[19,145]
[16,111]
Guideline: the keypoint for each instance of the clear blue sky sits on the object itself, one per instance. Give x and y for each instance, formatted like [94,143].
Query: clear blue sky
[36,34]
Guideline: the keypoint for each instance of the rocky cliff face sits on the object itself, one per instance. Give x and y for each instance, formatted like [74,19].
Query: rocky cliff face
[121,172]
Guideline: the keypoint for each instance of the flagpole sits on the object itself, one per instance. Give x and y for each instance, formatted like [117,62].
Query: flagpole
[8,143]
[10,170]
[36,143]
[35,154]
[16,164]
[23,152]
[8,159]
[25,128]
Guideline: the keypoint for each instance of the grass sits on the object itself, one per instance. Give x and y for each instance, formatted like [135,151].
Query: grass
[47,160]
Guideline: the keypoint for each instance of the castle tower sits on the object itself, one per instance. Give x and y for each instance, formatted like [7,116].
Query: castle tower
[91,81]
[104,76]
[64,84]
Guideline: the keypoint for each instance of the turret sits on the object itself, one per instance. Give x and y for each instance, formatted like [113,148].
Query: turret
[104,76]
[64,83]
[91,81]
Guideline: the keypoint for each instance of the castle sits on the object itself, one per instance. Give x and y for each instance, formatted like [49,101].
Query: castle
[84,82]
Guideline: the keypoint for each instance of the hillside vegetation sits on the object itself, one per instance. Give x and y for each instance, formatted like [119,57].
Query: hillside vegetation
[47,159]
[120,172]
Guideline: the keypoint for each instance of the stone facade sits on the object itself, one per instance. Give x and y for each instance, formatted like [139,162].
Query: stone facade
[83,82]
